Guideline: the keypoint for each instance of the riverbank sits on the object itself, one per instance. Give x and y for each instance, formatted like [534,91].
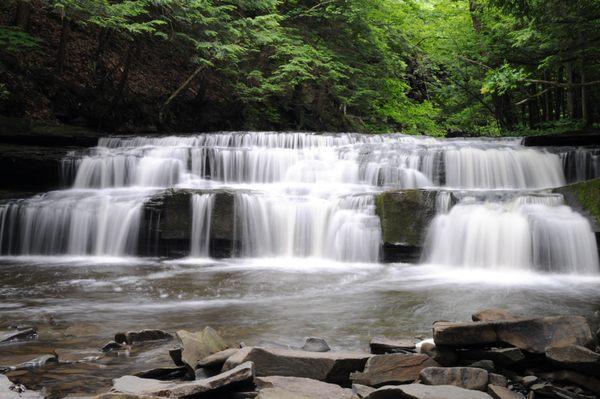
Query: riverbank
[497,355]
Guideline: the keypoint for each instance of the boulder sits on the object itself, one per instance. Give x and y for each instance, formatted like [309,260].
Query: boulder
[529,380]
[16,335]
[464,377]
[530,335]
[313,344]
[420,391]
[381,346]
[498,392]
[9,390]
[497,379]
[164,373]
[276,387]
[392,369]
[585,381]
[493,314]
[483,364]
[217,359]
[334,367]
[501,356]
[37,362]
[442,355]
[199,345]
[132,337]
[361,391]
[240,376]
[112,346]
[575,357]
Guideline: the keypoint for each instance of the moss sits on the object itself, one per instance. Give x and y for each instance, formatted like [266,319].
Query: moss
[405,215]
[584,196]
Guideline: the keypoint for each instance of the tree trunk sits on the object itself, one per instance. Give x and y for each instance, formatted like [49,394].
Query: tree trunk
[180,89]
[299,106]
[103,37]
[61,56]
[22,14]
[474,11]
[131,49]
[570,91]
[585,115]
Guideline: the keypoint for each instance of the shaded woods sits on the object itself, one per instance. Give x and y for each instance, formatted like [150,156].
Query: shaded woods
[478,67]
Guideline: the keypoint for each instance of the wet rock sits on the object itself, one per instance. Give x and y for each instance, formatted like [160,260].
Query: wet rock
[132,337]
[575,357]
[313,344]
[217,359]
[334,367]
[483,364]
[276,387]
[501,356]
[196,346]
[37,362]
[464,377]
[164,373]
[17,335]
[361,391]
[497,379]
[112,346]
[381,346]
[444,356]
[498,392]
[529,380]
[585,381]
[9,390]
[240,376]
[493,314]
[392,369]
[66,356]
[420,391]
[530,335]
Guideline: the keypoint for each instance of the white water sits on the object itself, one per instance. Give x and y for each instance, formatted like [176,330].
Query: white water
[202,206]
[311,195]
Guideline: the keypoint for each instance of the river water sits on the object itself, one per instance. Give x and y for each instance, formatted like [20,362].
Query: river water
[308,264]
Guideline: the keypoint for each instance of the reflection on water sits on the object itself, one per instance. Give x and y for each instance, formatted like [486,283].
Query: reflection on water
[79,304]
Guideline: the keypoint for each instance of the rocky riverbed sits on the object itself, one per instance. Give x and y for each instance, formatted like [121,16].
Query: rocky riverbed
[497,355]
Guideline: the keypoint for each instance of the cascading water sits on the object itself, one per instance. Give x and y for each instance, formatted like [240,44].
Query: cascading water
[303,194]
[202,206]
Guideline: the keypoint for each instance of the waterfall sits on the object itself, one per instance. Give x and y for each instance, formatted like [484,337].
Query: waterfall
[581,163]
[530,232]
[202,205]
[344,229]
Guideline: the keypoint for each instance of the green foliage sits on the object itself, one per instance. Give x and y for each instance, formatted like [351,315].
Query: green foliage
[503,80]
[14,40]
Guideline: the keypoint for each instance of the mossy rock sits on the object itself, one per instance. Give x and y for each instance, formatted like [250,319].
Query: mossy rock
[405,215]
[585,198]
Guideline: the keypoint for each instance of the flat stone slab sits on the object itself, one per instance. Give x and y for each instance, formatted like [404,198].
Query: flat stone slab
[381,346]
[197,346]
[334,367]
[420,391]
[463,377]
[17,335]
[531,335]
[500,356]
[392,369]
[575,357]
[277,387]
[217,359]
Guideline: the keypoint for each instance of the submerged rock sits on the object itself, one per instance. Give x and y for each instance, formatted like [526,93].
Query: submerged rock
[334,367]
[391,369]
[10,390]
[37,362]
[197,346]
[164,373]
[420,391]
[493,314]
[112,346]
[380,346]
[17,335]
[530,335]
[132,337]
[575,357]
[312,344]
[464,377]
[276,387]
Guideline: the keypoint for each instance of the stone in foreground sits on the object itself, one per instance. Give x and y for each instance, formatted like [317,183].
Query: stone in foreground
[240,376]
[380,346]
[132,337]
[530,335]
[420,391]
[463,377]
[392,369]
[498,392]
[199,345]
[334,367]
[276,387]
[575,357]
